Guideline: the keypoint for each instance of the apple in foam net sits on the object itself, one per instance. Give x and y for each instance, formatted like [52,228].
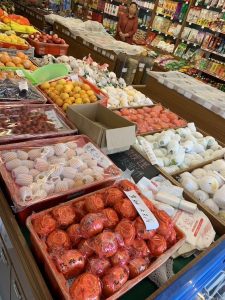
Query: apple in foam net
[47,38]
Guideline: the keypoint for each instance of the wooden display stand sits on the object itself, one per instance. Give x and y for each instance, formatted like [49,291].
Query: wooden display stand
[212,123]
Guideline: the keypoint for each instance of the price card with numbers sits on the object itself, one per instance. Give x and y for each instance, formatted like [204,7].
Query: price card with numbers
[147,216]
[96,154]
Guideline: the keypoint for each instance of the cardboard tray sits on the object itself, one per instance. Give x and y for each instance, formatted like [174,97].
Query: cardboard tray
[102,97]
[23,209]
[154,131]
[59,282]
[68,127]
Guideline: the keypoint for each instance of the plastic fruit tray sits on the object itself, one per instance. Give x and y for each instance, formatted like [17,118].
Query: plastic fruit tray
[61,283]
[55,169]
[47,48]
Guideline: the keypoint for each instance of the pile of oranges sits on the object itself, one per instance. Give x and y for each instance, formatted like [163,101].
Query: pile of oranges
[20,61]
[66,92]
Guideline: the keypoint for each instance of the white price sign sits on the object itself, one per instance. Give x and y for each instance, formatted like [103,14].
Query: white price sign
[144,212]
[97,155]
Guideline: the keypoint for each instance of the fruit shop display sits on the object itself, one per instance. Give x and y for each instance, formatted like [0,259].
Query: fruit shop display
[100,244]
[152,119]
[64,92]
[19,90]
[87,68]
[21,61]
[9,41]
[125,97]
[207,184]
[37,171]
[8,74]
[47,38]
[175,150]
[24,122]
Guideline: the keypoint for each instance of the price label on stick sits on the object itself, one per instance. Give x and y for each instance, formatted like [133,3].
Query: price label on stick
[147,216]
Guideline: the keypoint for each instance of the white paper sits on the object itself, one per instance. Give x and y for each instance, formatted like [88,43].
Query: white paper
[147,216]
[53,117]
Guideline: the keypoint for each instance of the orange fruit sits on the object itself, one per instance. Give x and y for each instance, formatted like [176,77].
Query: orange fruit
[93,98]
[59,102]
[10,64]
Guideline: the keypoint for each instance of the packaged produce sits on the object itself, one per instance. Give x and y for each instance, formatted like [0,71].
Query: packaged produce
[72,90]
[19,122]
[151,119]
[175,150]
[19,90]
[207,184]
[104,264]
[42,170]
[21,61]
[126,97]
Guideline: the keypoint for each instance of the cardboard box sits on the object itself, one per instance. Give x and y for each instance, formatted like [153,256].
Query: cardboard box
[109,131]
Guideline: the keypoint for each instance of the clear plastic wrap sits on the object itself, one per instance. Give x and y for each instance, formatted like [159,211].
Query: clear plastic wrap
[19,122]
[106,254]
[19,90]
[42,170]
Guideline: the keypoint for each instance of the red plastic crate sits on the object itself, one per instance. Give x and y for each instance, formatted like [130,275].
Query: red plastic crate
[59,283]
[47,48]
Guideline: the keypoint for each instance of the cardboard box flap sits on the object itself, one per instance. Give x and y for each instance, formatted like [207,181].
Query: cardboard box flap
[116,140]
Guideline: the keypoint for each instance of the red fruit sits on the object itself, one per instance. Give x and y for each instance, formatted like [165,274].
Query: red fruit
[115,278]
[142,233]
[58,240]
[86,287]
[85,249]
[98,266]
[70,263]
[111,217]
[137,266]
[44,225]
[91,224]
[127,230]
[64,215]
[112,195]
[80,210]
[157,245]
[125,208]
[121,257]
[139,248]
[74,234]
[94,203]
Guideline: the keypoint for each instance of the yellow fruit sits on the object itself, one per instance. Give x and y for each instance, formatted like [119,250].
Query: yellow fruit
[78,101]
[68,88]
[68,101]
[45,86]
[83,92]
[86,100]
[62,81]
[72,99]
[59,102]
[93,98]
[71,94]
[85,87]
[53,83]
[76,96]
[90,93]
[77,89]
[59,87]
[64,96]
[65,105]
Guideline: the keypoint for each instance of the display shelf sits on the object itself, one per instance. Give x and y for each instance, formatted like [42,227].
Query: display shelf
[210,74]
[213,52]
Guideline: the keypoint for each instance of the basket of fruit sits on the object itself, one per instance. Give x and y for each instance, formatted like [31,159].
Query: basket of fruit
[72,90]
[97,246]
[13,42]
[48,44]
[20,61]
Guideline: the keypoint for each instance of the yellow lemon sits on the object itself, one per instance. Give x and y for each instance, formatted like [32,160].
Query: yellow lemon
[78,101]
[59,87]
[68,101]
[65,105]
[59,102]
[45,86]
[62,81]
[64,96]
[93,98]
[53,83]
[77,89]
[86,100]
[85,87]
[90,93]
[68,88]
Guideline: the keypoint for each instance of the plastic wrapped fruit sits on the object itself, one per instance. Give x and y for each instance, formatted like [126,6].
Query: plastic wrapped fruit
[126,185]
[127,230]
[64,215]
[85,249]
[70,263]
[94,203]
[58,240]
[114,279]
[98,266]
[112,195]
[86,287]
[139,248]
[125,208]
[106,243]
[74,233]
[111,217]
[141,231]
[44,225]
[137,266]
[157,245]
[121,257]
[91,225]
[80,209]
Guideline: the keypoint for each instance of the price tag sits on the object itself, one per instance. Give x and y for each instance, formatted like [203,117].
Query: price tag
[124,70]
[147,216]
[112,57]
[95,48]
[203,27]
[97,155]
[103,52]
[53,117]
[134,71]
[23,85]
[74,77]
[141,65]
[20,73]
[207,6]
[149,152]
